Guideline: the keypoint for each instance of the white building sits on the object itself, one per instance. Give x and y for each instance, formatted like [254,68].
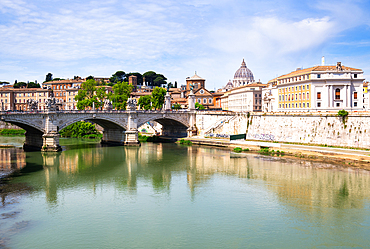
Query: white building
[320,88]
[246,98]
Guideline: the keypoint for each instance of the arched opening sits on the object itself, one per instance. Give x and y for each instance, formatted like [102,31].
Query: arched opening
[113,133]
[172,128]
[33,137]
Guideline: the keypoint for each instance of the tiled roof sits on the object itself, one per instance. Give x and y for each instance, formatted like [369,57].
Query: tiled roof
[195,77]
[316,69]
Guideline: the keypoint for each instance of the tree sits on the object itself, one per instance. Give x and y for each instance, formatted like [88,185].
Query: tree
[176,106]
[86,95]
[175,84]
[121,93]
[199,106]
[118,76]
[49,77]
[158,97]
[4,83]
[90,77]
[33,85]
[145,102]
[149,77]
[100,94]
[154,79]
[169,85]
[20,84]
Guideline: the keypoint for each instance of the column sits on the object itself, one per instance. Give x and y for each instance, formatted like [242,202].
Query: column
[167,102]
[329,96]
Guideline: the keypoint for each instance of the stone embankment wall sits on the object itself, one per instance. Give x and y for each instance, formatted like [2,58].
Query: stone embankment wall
[208,122]
[4,125]
[321,129]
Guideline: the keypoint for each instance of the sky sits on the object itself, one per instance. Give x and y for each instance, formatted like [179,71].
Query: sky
[176,38]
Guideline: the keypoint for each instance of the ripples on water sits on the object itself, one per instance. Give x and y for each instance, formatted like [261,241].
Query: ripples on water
[172,196]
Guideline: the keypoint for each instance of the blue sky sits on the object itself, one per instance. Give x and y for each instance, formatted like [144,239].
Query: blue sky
[176,38]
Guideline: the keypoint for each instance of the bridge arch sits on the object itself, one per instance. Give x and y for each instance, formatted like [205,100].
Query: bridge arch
[171,126]
[113,133]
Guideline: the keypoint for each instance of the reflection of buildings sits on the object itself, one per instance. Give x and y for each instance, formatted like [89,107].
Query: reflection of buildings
[12,159]
[298,182]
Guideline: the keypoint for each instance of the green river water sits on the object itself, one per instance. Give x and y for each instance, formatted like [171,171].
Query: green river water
[174,196]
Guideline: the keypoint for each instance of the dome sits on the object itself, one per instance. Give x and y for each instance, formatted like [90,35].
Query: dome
[243,76]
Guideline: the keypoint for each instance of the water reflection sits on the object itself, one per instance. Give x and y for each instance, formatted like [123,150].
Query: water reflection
[303,183]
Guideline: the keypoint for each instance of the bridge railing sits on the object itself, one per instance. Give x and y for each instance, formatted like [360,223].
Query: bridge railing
[91,111]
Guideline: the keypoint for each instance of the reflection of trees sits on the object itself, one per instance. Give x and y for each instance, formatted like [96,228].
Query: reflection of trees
[295,182]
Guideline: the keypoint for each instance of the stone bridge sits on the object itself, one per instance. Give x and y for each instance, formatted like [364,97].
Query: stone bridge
[120,127]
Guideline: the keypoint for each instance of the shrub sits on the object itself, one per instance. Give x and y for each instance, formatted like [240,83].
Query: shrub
[237,149]
[186,142]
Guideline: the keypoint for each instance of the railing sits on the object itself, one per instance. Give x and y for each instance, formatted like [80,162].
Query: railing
[91,111]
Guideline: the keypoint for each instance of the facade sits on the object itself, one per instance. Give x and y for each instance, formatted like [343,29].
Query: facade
[196,81]
[321,88]
[246,98]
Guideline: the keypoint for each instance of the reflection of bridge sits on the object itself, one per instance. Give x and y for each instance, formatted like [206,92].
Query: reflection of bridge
[120,127]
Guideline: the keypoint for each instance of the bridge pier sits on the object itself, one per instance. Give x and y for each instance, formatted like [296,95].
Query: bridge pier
[113,137]
[132,138]
[51,142]
[33,141]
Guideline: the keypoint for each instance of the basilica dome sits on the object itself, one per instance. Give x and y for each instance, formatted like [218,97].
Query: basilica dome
[243,76]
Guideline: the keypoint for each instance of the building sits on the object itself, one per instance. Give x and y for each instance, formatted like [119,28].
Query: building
[247,98]
[321,88]
[243,76]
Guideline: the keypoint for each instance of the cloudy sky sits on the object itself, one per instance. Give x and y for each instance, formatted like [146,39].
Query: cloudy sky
[177,38]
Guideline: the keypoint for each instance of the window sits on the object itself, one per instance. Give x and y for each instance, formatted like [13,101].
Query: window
[300,105]
[289,105]
[304,96]
[199,101]
[296,96]
[260,95]
[201,91]
[319,95]
[204,101]
[302,87]
[210,100]
[260,101]
[279,97]
[296,88]
[299,96]
[308,105]
[304,105]
[337,93]
[355,95]
[308,87]
[279,105]
[318,104]
[355,104]
[355,76]
[255,95]
[296,105]
[299,88]
[319,76]
[308,96]
[338,104]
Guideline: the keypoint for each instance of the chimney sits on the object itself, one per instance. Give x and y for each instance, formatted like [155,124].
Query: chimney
[323,61]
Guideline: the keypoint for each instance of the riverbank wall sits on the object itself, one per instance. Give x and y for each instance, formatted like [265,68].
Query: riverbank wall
[305,128]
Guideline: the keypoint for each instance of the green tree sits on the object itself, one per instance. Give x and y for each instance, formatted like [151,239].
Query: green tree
[90,77]
[118,76]
[80,129]
[145,102]
[175,84]
[176,106]
[49,77]
[158,97]
[100,95]
[33,85]
[20,84]
[86,95]
[121,93]
[199,106]
[154,79]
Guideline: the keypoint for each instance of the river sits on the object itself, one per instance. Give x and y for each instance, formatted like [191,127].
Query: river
[174,196]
